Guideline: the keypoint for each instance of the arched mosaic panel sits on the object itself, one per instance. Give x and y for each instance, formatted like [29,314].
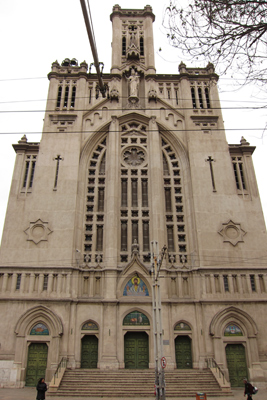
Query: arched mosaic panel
[136,318]
[135,287]
[89,326]
[39,329]
[233,330]
[182,326]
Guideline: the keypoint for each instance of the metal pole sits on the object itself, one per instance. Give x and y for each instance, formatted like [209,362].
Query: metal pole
[153,248]
[93,48]
[157,320]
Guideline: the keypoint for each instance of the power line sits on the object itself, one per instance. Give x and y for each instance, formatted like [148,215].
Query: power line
[130,109]
[151,130]
[125,97]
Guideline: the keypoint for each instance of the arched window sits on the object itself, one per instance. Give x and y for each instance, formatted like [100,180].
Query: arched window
[136,318]
[89,326]
[95,204]
[182,326]
[39,329]
[233,330]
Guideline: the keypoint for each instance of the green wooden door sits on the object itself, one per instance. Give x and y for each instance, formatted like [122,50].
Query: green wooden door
[183,352]
[36,364]
[136,350]
[89,357]
[236,363]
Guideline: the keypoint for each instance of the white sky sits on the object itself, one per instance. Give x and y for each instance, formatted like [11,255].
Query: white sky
[34,34]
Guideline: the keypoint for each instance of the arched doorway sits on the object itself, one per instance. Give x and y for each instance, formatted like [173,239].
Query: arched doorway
[136,350]
[36,364]
[183,353]
[89,352]
[236,363]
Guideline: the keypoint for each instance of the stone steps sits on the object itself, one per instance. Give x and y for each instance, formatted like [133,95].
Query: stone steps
[136,383]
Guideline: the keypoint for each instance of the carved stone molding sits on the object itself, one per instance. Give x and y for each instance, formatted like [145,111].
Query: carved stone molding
[232,232]
[38,231]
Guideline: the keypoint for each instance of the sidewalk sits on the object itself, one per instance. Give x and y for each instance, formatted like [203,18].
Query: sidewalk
[29,393]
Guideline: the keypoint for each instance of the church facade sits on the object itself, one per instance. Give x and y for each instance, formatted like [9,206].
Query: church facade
[147,161]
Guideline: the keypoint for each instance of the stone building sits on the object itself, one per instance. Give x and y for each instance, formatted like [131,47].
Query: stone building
[148,161]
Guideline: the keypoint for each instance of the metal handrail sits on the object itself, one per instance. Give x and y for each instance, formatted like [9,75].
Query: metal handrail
[211,363]
[62,364]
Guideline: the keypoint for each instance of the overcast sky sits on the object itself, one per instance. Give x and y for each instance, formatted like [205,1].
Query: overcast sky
[34,34]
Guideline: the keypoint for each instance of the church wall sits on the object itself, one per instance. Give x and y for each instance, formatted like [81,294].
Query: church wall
[213,277]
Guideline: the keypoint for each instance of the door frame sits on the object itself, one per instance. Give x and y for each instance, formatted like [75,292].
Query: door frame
[241,343]
[89,334]
[190,337]
[27,355]
[148,342]
[132,329]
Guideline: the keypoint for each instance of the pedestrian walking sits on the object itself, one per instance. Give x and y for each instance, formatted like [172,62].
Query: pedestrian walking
[248,389]
[41,389]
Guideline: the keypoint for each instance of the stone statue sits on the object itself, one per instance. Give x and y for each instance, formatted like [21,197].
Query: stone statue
[133,84]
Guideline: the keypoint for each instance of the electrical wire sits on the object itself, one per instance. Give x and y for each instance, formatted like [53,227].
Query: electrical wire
[151,130]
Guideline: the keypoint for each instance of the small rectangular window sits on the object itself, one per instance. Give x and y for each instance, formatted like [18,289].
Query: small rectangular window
[193,94]
[101,195]
[145,236]
[142,46]
[168,203]
[66,96]
[124,236]
[27,166]
[18,281]
[176,96]
[135,231]
[200,97]
[124,192]
[134,193]
[252,282]
[207,97]
[262,285]
[73,95]
[239,173]
[225,282]
[242,175]
[32,174]
[170,238]
[144,193]
[124,46]
[45,284]
[59,94]
[99,238]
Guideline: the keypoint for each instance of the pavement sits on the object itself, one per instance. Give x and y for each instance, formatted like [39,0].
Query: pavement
[29,393]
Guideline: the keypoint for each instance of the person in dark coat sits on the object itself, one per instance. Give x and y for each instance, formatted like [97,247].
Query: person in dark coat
[41,389]
[248,389]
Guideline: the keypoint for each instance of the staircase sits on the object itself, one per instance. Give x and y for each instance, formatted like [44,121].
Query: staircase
[136,383]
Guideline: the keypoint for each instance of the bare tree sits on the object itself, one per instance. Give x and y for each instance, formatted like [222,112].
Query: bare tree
[229,33]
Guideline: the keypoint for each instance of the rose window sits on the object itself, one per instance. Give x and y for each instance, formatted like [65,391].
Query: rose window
[134,156]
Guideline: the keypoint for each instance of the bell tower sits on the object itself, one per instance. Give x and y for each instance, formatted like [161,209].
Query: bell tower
[132,39]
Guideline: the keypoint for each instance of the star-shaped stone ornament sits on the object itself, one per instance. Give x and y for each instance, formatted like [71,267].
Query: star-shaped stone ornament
[232,232]
[38,231]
